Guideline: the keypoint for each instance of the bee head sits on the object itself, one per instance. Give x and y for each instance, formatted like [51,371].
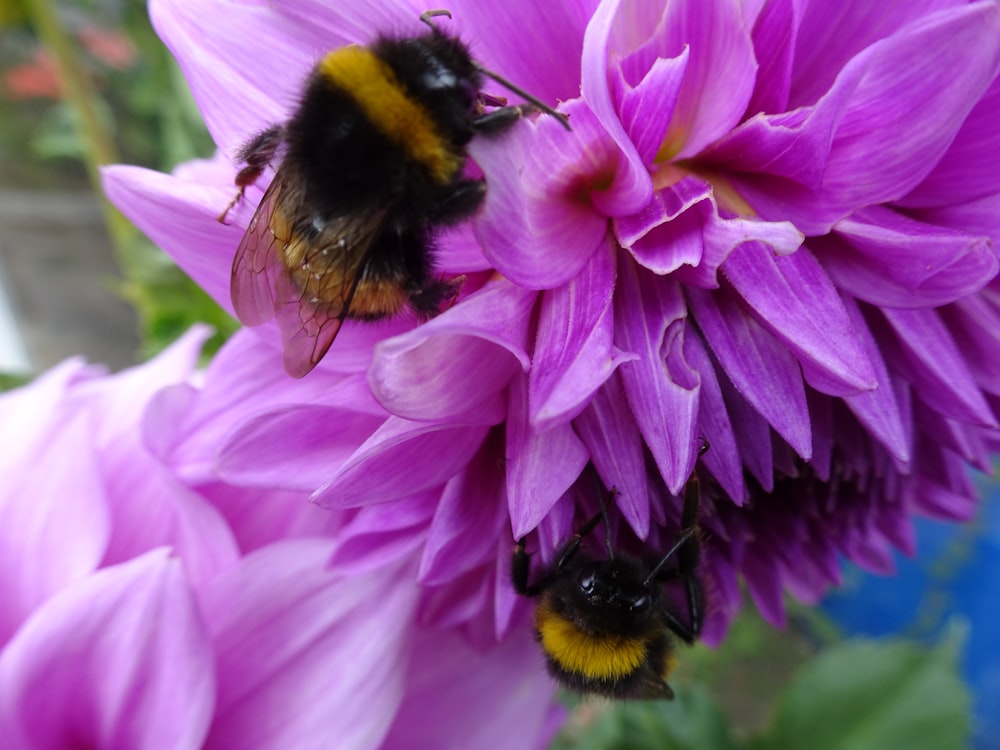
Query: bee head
[613,593]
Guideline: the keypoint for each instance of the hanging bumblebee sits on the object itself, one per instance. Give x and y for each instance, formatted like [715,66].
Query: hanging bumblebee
[605,626]
[368,165]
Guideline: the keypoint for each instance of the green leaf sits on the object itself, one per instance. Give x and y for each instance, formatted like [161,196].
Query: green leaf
[873,695]
[690,722]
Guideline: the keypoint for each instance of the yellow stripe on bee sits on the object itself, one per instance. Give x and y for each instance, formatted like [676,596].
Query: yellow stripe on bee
[375,88]
[593,656]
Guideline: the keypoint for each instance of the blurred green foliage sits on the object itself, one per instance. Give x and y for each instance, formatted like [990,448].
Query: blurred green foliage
[765,689]
[88,82]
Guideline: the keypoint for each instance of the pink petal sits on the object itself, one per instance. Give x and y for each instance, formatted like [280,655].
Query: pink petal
[239,91]
[314,441]
[169,514]
[455,366]
[120,660]
[647,107]
[926,353]
[662,389]
[540,465]
[180,217]
[433,452]
[609,432]
[908,96]
[796,301]
[970,168]
[455,538]
[715,423]
[304,655]
[762,369]
[631,186]
[505,698]
[574,353]
[877,409]
[537,46]
[538,226]
[383,534]
[774,34]
[888,259]
[719,78]
[54,517]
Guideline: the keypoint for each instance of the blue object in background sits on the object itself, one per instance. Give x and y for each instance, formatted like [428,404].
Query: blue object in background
[956,573]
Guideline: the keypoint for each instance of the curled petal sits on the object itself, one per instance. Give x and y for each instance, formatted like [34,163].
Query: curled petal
[454,366]
[574,353]
[631,186]
[681,231]
[538,226]
[661,387]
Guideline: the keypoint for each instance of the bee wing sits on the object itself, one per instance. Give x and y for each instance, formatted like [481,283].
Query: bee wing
[303,279]
[312,300]
[651,686]
[257,264]
[308,326]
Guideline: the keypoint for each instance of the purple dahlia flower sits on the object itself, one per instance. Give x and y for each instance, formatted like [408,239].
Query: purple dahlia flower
[131,619]
[772,227]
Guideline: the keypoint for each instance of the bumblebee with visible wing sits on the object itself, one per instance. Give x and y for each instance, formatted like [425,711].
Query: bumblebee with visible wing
[605,626]
[369,164]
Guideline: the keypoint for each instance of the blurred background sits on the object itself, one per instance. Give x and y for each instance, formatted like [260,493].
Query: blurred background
[84,83]
[87,82]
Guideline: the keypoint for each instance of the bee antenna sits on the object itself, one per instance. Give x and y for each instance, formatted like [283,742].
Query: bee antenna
[428,15]
[681,540]
[539,104]
[604,515]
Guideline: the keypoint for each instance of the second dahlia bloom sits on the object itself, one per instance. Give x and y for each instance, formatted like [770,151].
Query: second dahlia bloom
[772,227]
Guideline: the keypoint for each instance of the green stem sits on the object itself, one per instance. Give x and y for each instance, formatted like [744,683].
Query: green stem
[81,97]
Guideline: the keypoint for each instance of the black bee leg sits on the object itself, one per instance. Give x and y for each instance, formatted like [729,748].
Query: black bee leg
[461,202]
[687,550]
[255,154]
[501,119]
[520,568]
[521,562]
[428,300]
[573,545]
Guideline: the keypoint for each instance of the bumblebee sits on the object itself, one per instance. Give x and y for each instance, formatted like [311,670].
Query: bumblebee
[368,165]
[605,625]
